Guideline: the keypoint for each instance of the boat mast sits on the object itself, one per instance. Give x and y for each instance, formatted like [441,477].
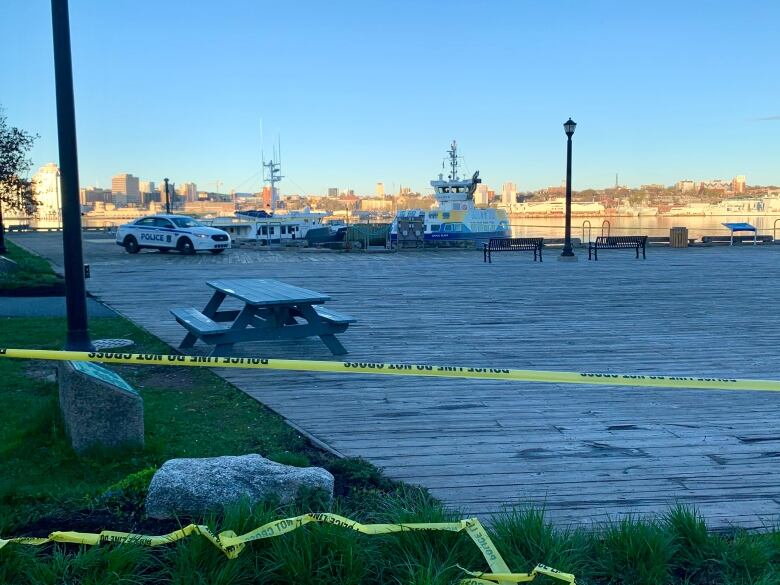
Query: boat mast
[453,152]
[274,174]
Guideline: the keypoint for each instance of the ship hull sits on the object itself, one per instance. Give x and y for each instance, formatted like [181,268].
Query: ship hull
[442,237]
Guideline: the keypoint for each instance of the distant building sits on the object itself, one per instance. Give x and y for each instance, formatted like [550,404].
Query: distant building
[738,184]
[46,186]
[146,186]
[685,185]
[481,195]
[333,192]
[189,191]
[714,185]
[126,189]
[380,189]
[376,204]
[91,195]
[508,192]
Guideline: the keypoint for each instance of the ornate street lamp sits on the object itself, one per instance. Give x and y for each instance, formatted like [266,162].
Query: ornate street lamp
[568,127]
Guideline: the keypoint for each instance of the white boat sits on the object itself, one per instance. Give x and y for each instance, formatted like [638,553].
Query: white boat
[276,226]
[455,218]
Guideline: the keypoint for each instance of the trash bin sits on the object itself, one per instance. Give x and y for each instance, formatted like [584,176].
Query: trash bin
[678,237]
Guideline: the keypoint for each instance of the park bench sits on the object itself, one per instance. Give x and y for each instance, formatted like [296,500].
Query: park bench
[513,245]
[617,242]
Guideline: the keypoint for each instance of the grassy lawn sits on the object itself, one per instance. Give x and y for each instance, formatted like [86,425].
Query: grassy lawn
[44,486]
[34,271]
[188,413]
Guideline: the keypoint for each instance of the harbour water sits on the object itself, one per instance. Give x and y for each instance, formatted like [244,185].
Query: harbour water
[657,225]
[552,227]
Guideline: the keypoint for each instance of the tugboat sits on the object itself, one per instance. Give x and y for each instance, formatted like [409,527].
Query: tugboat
[455,218]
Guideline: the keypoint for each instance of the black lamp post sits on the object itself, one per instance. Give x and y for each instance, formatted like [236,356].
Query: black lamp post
[167,197]
[568,127]
[75,288]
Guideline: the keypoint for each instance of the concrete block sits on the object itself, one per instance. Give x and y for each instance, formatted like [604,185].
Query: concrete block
[99,408]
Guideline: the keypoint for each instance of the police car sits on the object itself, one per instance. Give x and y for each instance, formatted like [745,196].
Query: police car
[171,232]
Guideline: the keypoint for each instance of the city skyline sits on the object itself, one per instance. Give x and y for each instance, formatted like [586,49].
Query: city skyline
[368,105]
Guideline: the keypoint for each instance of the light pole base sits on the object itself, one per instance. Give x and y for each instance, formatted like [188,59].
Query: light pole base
[571,258]
[78,341]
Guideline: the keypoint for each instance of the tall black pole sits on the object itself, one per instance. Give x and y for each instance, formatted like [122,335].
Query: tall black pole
[167,199]
[567,251]
[75,289]
[3,249]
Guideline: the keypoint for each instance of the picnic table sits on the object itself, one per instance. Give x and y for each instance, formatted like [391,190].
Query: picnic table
[272,310]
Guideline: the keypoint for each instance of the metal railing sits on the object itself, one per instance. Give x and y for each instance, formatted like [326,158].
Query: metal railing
[590,230]
[609,227]
[774,229]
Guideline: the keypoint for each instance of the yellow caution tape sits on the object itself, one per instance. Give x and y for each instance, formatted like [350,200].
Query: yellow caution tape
[607,379]
[232,545]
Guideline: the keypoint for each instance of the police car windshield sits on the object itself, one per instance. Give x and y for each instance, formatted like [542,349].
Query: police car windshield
[186,222]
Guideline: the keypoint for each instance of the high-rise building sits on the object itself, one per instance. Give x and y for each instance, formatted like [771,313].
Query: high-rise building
[481,195]
[46,186]
[333,192]
[508,192]
[738,184]
[380,189]
[189,191]
[91,195]
[146,186]
[125,188]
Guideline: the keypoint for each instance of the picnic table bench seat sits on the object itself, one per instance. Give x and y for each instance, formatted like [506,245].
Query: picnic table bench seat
[196,322]
[534,245]
[615,243]
[333,316]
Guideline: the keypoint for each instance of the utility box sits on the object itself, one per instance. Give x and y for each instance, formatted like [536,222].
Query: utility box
[678,237]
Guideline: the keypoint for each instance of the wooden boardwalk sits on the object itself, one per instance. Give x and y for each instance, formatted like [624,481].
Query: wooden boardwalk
[586,453]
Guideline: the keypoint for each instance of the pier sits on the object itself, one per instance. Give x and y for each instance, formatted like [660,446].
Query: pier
[585,453]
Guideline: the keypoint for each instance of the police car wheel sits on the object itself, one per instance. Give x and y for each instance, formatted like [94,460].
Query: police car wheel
[185,246]
[163,250]
[217,251]
[131,245]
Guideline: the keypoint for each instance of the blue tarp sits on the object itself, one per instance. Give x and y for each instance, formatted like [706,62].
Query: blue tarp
[740,227]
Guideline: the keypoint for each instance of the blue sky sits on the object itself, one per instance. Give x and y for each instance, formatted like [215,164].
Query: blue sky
[366,91]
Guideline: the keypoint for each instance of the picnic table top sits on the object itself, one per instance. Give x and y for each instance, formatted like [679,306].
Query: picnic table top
[266,291]
[740,227]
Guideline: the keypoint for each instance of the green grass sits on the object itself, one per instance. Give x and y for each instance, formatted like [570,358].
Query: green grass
[33,271]
[188,413]
[630,552]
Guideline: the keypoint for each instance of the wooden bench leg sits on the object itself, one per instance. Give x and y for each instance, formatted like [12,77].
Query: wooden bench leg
[188,341]
[333,344]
